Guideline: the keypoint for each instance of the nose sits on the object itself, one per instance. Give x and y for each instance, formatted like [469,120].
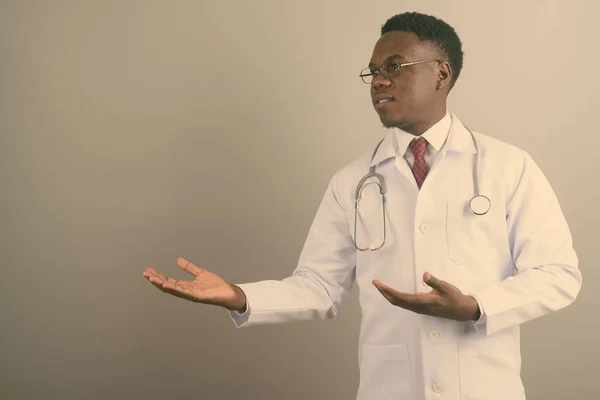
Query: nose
[379,81]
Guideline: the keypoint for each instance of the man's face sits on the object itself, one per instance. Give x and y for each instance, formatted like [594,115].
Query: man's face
[410,98]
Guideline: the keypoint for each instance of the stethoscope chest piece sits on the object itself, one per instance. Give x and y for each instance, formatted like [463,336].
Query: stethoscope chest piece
[480,204]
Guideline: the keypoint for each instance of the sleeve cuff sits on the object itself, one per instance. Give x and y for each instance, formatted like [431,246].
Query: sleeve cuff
[244,312]
[240,318]
[480,324]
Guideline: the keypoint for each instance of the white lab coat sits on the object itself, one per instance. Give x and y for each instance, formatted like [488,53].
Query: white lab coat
[518,261]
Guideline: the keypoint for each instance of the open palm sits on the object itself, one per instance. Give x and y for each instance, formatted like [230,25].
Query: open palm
[207,287]
[444,300]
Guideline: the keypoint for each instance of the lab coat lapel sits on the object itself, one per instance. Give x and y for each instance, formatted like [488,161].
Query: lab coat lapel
[449,173]
[459,141]
[389,150]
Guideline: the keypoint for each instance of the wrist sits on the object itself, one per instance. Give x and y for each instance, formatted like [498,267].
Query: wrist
[239,301]
[475,311]
[477,314]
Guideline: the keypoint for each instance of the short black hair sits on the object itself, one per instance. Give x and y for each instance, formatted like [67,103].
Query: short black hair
[433,30]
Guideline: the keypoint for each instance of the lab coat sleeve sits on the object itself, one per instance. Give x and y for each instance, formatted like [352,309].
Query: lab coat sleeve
[547,276]
[482,319]
[324,274]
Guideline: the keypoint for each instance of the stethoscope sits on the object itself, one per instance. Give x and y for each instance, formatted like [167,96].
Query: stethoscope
[479,203]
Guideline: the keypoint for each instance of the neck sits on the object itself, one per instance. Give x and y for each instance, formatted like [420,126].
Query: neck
[419,127]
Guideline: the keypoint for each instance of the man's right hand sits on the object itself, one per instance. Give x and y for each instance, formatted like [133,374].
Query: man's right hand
[207,288]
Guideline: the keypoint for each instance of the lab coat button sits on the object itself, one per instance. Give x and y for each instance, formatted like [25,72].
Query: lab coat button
[437,388]
[424,228]
[434,334]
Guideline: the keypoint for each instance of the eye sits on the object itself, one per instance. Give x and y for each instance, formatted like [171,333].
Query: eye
[393,67]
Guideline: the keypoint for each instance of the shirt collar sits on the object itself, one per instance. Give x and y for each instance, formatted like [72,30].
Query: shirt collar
[436,135]
[448,133]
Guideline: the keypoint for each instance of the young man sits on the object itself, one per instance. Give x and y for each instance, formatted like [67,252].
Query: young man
[444,282]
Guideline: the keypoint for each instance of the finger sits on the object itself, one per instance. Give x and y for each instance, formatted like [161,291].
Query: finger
[438,284]
[392,292]
[419,302]
[152,272]
[380,285]
[159,278]
[416,304]
[388,298]
[156,282]
[155,279]
[188,267]
[147,273]
[405,300]
[399,302]
[158,286]
[170,285]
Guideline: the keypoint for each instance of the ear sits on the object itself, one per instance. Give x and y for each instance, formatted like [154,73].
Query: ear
[444,75]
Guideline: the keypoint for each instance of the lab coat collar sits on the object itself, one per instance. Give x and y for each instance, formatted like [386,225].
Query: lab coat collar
[458,139]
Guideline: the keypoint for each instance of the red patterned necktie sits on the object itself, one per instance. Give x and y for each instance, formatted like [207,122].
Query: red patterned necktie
[418,146]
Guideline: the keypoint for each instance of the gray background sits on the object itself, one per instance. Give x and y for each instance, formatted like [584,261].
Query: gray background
[134,132]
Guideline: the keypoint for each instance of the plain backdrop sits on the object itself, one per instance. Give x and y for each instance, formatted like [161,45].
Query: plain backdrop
[137,131]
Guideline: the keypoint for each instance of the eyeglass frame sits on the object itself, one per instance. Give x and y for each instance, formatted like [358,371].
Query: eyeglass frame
[386,74]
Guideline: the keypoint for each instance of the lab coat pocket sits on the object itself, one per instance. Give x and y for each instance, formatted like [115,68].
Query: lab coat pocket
[457,224]
[384,372]
[468,236]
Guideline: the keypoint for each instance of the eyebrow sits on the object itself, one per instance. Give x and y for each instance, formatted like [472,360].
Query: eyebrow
[389,58]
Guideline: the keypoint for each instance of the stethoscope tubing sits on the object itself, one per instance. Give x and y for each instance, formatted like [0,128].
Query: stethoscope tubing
[479,204]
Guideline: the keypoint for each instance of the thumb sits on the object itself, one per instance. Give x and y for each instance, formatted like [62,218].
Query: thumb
[437,284]
[188,267]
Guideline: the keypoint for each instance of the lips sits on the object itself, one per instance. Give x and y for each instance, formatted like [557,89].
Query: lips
[382,98]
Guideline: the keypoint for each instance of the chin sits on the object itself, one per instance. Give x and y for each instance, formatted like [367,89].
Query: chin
[391,118]
[391,122]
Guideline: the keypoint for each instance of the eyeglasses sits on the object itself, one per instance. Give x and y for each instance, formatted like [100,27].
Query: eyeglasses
[388,69]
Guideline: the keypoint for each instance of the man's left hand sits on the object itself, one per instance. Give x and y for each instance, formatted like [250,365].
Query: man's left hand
[444,301]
